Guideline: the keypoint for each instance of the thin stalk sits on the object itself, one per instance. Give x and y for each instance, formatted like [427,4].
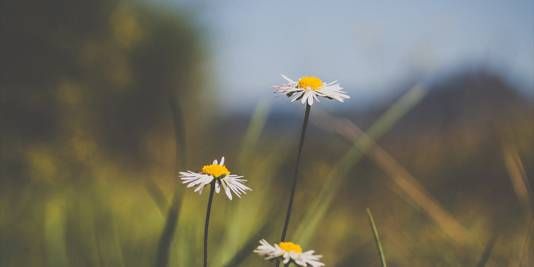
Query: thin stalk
[207,222]
[377,239]
[295,174]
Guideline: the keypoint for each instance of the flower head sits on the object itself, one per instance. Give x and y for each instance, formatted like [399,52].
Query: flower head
[288,252]
[219,174]
[308,89]
[215,170]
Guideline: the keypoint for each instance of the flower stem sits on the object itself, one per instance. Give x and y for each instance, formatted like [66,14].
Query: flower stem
[207,222]
[295,175]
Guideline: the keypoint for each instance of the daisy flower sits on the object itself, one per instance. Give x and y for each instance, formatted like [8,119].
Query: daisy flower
[220,175]
[309,88]
[288,252]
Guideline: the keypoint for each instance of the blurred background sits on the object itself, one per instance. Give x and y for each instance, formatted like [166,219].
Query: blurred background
[103,102]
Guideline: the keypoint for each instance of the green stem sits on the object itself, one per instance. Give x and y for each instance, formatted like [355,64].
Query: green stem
[295,175]
[207,222]
[377,239]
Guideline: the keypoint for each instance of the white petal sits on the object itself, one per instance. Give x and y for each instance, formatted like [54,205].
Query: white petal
[235,184]
[334,91]
[297,95]
[226,188]
[310,98]
[287,79]
[193,179]
[304,97]
[287,258]
[217,187]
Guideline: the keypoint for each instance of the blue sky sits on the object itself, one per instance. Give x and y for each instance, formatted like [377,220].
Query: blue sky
[368,46]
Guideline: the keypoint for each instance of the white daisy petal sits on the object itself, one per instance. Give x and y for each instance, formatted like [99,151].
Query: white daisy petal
[297,96]
[334,91]
[226,189]
[234,184]
[193,179]
[304,97]
[287,79]
[331,83]
[266,250]
[310,98]
[287,258]
[217,187]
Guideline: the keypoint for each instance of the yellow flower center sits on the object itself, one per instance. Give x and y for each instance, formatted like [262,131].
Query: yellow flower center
[310,82]
[215,170]
[290,247]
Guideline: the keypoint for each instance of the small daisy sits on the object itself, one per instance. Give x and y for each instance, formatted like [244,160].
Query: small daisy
[289,252]
[308,89]
[220,175]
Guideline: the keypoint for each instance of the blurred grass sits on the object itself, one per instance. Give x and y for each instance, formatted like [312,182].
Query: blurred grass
[379,247]
[253,132]
[167,234]
[360,146]
[523,191]
[403,179]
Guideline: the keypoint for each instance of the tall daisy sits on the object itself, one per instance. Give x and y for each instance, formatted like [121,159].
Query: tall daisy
[288,252]
[307,89]
[217,176]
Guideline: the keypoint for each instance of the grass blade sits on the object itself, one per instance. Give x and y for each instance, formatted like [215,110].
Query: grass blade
[488,249]
[156,194]
[377,238]
[254,130]
[252,242]
[164,245]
